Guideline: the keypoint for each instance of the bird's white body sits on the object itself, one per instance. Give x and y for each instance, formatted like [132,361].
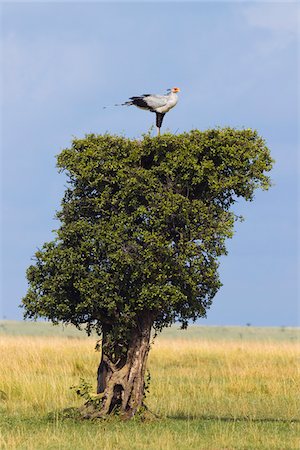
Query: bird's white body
[160,103]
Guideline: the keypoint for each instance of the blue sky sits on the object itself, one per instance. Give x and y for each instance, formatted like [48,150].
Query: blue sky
[237,64]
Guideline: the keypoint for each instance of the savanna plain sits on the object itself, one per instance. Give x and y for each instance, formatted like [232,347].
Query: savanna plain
[212,387]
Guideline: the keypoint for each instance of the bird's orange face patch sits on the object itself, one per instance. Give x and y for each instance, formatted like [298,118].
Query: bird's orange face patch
[175,89]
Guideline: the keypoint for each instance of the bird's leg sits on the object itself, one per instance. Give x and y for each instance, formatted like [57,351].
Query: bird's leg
[159,121]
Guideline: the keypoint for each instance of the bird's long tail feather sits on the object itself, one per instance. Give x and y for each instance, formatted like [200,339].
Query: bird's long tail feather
[129,103]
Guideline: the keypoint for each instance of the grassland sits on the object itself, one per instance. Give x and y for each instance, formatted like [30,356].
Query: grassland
[193,332]
[213,389]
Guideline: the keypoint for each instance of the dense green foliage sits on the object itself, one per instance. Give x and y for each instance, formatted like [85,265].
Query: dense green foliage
[142,226]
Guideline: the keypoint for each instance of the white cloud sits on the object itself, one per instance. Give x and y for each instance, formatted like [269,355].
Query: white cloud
[282,17]
[280,21]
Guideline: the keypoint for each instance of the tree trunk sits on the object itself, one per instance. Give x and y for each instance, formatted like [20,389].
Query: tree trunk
[121,384]
[104,372]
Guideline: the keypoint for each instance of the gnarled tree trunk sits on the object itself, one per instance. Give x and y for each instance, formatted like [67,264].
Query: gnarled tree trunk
[104,371]
[121,383]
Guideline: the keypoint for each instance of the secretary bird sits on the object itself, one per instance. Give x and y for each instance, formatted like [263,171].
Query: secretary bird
[159,104]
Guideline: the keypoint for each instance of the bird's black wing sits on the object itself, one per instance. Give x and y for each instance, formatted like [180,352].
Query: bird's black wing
[141,102]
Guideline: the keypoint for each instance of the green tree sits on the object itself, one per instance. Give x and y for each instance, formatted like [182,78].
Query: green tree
[143,223]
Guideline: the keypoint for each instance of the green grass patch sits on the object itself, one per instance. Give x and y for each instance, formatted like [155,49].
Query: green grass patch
[165,434]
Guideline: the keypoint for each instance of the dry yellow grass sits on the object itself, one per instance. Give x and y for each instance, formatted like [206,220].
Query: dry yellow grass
[226,379]
[36,373]
[210,395]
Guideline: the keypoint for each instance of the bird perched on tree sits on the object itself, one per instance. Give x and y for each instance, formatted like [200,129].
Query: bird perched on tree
[159,104]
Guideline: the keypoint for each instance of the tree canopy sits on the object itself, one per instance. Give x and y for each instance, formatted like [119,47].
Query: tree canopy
[143,223]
